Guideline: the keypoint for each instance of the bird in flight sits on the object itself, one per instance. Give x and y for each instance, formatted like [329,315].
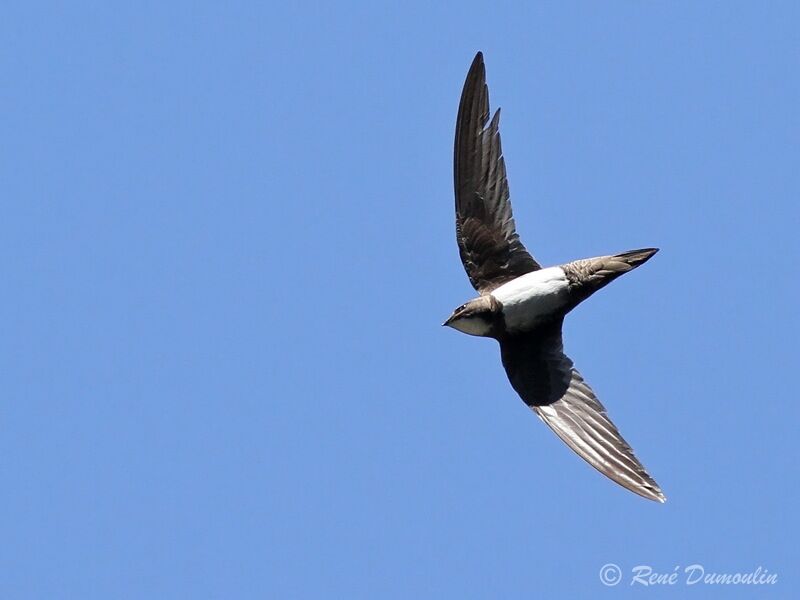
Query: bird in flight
[522,305]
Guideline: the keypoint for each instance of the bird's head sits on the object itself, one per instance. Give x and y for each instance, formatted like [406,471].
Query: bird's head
[476,317]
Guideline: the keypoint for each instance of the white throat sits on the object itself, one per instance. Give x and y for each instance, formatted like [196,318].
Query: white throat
[472,326]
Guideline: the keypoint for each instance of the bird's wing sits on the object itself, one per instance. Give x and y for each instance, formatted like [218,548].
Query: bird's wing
[487,239]
[547,381]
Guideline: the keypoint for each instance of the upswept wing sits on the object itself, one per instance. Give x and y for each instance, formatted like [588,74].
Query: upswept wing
[487,239]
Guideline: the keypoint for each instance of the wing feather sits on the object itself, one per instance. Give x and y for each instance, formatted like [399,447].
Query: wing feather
[548,382]
[488,243]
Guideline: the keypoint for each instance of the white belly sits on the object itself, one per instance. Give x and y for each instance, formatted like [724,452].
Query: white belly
[528,299]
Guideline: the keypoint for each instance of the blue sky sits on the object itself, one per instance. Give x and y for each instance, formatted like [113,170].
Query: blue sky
[228,246]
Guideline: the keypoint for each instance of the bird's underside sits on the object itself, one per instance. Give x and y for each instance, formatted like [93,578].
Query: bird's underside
[525,310]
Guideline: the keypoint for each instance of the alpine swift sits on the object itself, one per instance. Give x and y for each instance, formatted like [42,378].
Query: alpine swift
[522,305]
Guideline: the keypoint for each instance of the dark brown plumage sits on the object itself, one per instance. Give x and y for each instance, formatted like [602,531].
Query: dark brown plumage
[547,381]
[523,306]
[487,240]
[588,275]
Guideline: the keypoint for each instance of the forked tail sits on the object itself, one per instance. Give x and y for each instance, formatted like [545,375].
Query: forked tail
[590,274]
[634,258]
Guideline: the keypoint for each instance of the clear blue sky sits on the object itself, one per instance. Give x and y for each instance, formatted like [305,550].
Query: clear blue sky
[227,248]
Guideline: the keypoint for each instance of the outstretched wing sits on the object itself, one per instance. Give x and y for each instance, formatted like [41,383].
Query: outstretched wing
[487,239]
[548,382]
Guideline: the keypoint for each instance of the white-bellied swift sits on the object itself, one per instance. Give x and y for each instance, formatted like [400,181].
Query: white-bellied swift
[522,305]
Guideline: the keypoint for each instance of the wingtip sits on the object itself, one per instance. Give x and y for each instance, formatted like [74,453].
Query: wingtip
[477,68]
[655,494]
